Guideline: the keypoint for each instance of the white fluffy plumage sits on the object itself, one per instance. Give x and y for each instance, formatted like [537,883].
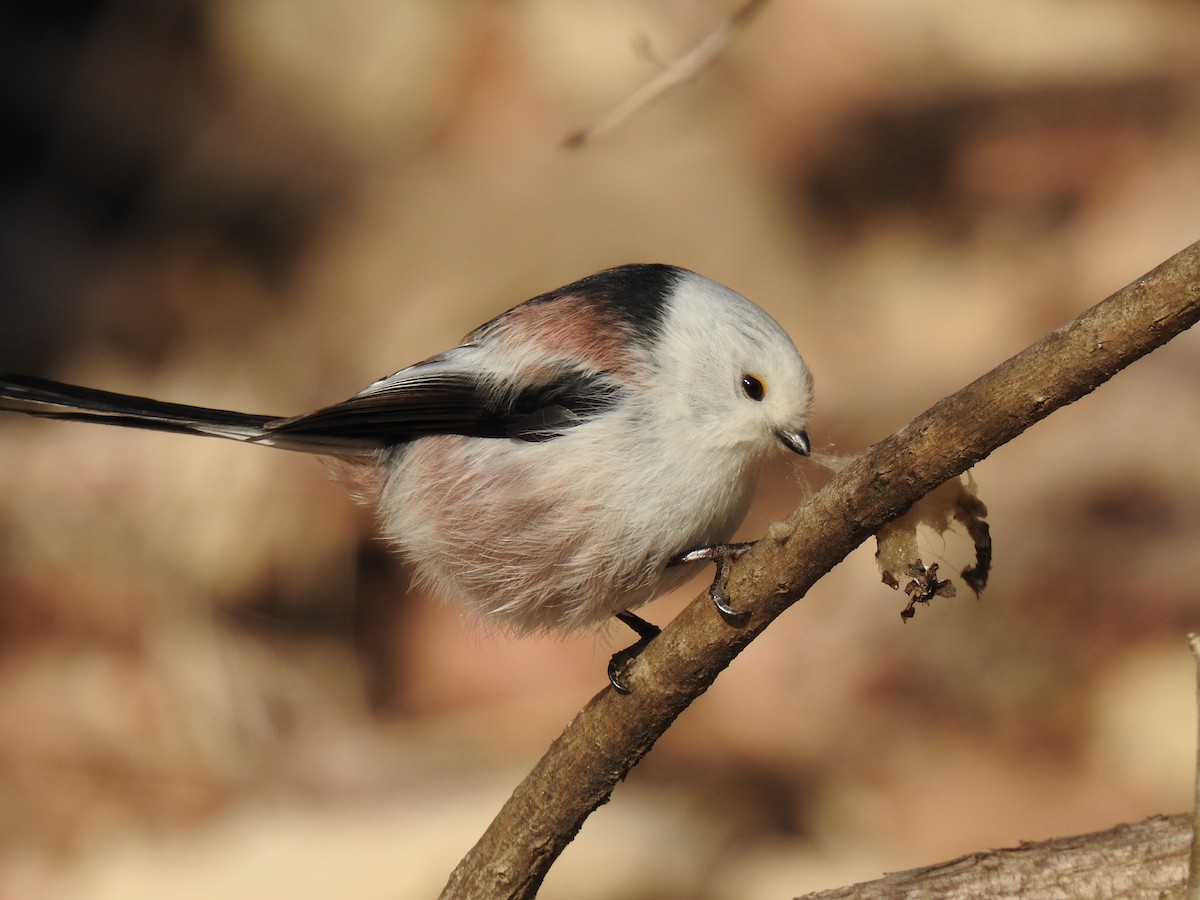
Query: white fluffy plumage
[564,533]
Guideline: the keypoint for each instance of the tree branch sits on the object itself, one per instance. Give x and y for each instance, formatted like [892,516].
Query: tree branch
[613,732]
[1193,880]
[1147,859]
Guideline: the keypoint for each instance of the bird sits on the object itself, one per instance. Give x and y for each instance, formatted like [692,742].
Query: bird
[572,459]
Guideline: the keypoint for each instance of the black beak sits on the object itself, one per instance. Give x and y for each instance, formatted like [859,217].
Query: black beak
[796,441]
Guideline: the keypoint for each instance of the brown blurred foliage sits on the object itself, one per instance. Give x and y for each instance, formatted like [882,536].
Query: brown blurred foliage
[215,681]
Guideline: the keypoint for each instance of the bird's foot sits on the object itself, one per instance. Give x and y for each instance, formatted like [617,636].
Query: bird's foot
[619,664]
[723,555]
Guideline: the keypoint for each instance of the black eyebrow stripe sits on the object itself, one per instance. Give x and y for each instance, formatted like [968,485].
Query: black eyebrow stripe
[635,294]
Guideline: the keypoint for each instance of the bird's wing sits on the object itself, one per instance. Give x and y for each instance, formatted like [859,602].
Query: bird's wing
[425,399]
[431,398]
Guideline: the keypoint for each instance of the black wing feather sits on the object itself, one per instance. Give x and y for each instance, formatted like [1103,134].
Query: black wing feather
[423,403]
[455,403]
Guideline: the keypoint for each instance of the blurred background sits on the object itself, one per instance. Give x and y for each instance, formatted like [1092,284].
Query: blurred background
[214,679]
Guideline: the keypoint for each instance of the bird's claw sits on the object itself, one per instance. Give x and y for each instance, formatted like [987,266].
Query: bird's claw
[720,554]
[723,556]
[618,665]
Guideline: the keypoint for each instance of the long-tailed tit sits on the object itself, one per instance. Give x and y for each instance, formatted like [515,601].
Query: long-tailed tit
[566,463]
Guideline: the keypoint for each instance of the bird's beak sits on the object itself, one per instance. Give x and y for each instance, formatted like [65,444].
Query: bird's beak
[796,441]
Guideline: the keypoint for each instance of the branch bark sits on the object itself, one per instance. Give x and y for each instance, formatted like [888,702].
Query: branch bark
[1193,881]
[613,732]
[1129,862]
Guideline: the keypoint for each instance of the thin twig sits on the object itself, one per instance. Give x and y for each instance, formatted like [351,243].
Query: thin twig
[683,70]
[613,732]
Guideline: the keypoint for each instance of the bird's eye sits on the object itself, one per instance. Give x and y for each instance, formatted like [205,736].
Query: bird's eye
[753,387]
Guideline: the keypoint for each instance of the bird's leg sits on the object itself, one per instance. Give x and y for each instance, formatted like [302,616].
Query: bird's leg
[722,555]
[646,632]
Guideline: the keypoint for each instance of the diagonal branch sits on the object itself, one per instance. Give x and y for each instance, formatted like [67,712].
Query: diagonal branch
[613,732]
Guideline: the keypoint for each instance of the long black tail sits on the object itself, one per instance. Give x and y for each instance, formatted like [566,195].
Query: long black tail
[73,403]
